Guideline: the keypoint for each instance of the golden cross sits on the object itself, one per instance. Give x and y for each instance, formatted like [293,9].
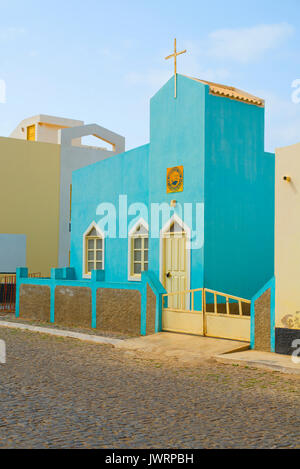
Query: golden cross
[175,55]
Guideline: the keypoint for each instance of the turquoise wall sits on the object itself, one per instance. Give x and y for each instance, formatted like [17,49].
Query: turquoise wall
[126,173]
[177,139]
[239,198]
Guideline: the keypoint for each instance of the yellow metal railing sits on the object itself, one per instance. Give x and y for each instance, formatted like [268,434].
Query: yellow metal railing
[184,302]
[11,278]
[228,304]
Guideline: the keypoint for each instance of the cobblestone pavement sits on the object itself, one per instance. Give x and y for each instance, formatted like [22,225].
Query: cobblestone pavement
[61,393]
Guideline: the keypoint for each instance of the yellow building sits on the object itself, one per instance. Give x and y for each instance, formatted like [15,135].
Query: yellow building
[287,247]
[29,190]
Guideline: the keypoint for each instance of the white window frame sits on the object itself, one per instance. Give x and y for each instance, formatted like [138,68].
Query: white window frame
[85,235]
[131,235]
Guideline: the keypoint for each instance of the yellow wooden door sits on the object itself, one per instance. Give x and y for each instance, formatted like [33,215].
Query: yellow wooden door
[175,268]
[31,133]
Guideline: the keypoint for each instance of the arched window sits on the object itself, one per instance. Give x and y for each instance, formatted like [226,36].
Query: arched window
[138,252]
[93,249]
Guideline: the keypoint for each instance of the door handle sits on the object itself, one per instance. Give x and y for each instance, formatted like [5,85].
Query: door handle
[169,275]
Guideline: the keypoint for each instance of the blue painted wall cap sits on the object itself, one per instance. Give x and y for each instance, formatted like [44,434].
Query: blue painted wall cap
[98,276]
[57,274]
[151,279]
[22,272]
[69,273]
[270,284]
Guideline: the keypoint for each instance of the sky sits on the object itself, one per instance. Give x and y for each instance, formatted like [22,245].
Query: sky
[101,62]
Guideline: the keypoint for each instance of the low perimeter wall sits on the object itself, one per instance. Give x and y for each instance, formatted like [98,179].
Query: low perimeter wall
[126,308]
[263,319]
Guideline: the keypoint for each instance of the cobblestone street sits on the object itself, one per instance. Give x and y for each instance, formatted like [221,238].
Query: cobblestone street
[62,393]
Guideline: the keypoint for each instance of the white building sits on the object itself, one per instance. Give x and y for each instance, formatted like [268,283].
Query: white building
[43,128]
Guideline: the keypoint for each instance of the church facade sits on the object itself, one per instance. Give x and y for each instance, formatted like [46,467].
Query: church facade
[195,206]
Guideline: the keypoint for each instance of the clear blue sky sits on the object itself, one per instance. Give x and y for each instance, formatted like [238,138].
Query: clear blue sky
[101,61]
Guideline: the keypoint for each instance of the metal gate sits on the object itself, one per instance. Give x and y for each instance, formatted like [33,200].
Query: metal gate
[211,314]
[8,292]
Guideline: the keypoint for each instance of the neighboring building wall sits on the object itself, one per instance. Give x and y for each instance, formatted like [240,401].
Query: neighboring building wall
[36,188]
[239,198]
[50,134]
[29,190]
[287,247]
[12,252]
[68,136]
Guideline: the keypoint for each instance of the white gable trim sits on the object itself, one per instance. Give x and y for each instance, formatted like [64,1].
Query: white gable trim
[176,219]
[85,234]
[140,222]
[166,228]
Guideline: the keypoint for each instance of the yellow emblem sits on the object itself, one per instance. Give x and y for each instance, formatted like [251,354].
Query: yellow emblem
[175,179]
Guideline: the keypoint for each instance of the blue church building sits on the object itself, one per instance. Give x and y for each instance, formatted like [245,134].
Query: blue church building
[176,235]
[207,145]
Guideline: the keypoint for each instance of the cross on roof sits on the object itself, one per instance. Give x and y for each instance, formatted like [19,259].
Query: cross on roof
[175,55]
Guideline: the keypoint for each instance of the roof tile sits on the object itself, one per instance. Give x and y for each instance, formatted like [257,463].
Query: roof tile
[231,93]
